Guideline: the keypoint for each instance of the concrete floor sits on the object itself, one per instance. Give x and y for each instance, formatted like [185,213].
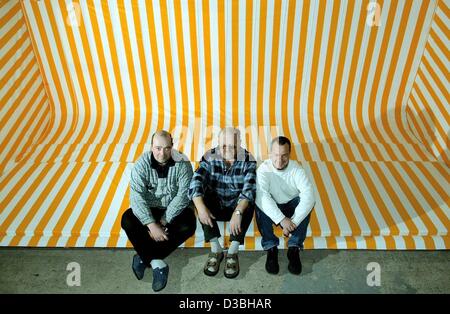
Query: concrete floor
[44,270]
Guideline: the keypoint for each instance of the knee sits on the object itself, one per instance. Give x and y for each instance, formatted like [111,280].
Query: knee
[126,221]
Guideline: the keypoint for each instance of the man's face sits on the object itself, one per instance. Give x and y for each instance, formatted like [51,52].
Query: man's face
[228,145]
[162,148]
[280,155]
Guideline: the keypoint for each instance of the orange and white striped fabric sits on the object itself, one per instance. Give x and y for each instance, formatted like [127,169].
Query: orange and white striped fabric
[360,87]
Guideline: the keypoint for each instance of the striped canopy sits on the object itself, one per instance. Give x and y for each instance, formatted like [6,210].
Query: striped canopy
[361,88]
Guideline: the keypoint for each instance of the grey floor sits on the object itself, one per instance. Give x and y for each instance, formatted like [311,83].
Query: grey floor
[44,270]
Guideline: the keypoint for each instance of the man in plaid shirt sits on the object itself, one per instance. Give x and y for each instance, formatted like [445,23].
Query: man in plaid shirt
[223,188]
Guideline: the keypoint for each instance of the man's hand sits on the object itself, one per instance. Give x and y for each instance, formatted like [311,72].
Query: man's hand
[157,233]
[288,226]
[205,217]
[235,224]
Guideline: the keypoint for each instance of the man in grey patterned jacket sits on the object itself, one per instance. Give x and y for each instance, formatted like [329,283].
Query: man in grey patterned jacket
[161,216]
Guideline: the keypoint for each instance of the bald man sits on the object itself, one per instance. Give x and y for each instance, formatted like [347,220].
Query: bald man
[161,216]
[223,188]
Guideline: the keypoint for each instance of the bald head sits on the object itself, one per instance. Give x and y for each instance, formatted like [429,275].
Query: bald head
[229,142]
[162,146]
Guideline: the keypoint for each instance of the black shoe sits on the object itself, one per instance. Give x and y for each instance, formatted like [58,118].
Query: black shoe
[160,276]
[272,266]
[295,265]
[138,267]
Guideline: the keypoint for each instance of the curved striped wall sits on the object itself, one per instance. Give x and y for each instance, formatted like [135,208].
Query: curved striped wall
[340,84]
[428,105]
[24,106]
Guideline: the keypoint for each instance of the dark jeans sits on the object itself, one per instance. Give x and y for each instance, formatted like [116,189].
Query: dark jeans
[224,214]
[180,229]
[265,226]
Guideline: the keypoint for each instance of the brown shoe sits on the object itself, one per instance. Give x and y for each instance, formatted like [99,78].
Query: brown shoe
[231,266]
[213,263]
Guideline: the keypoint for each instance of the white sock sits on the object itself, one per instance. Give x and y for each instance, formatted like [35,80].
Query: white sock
[234,247]
[158,263]
[215,245]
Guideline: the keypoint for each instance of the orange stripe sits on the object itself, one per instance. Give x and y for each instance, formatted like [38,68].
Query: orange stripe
[22,133]
[83,87]
[361,199]
[261,61]
[346,206]
[42,225]
[385,213]
[337,88]
[67,78]
[221,43]
[407,69]
[298,80]
[132,79]
[76,229]
[118,77]
[395,199]
[58,229]
[326,79]
[169,65]
[377,77]
[274,63]
[185,117]
[38,204]
[208,65]
[105,206]
[55,78]
[248,68]
[235,66]
[431,228]
[11,13]
[325,200]
[24,181]
[195,77]
[287,71]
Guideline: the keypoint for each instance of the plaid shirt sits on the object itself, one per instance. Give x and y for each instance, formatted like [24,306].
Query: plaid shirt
[230,184]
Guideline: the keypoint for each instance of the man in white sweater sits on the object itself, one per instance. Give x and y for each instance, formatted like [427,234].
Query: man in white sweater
[284,197]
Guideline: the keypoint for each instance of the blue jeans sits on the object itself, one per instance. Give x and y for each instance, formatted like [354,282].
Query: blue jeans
[265,226]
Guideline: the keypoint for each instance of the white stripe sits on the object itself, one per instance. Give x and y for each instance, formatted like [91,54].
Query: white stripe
[114,210]
[29,196]
[241,68]
[427,207]
[403,229]
[62,37]
[292,78]
[215,66]
[166,101]
[228,75]
[124,79]
[6,47]
[191,102]
[111,75]
[141,106]
[8,7]
[49,200]
[279,106]
[81,203]
[355,206]
[101,87]
[27,124]
[150,69]
[254,78]
[58,64]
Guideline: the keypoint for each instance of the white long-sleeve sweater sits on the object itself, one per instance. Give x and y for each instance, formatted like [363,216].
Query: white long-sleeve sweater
[275,186]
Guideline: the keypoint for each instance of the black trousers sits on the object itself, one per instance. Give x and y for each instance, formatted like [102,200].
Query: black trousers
[224,214]
[180,229]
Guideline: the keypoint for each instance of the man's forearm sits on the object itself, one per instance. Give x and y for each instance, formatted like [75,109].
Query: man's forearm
[242,205]
[199,204]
